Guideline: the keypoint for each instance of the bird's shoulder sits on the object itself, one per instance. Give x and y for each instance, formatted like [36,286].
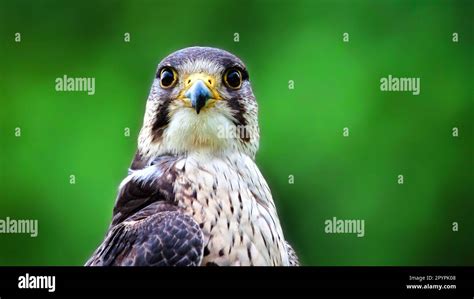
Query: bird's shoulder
[158,235]
[148,228]
[144,186]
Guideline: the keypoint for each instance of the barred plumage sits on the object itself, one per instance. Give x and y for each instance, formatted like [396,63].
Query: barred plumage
[193,195]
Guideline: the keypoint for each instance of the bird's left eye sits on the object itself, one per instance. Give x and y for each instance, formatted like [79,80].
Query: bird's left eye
[167,77]
[233,78]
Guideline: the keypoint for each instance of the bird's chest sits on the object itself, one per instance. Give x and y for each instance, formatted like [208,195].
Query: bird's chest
[233,206]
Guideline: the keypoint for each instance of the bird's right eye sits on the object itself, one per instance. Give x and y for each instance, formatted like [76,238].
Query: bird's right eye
[167,77]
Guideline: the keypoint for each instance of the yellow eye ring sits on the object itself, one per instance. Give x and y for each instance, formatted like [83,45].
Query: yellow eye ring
[168,77]
[233,78]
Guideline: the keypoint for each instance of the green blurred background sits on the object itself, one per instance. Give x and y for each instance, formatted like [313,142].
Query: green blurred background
[336,86]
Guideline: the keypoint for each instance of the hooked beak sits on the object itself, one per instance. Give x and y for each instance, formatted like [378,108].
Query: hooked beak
[200,91]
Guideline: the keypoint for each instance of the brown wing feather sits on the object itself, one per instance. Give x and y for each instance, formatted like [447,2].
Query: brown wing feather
[159,235]
[148,229]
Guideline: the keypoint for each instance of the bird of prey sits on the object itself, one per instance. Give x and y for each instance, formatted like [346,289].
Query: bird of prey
[194,195]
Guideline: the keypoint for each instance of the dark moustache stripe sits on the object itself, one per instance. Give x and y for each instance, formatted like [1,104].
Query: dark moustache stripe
[162,119]
[238,112]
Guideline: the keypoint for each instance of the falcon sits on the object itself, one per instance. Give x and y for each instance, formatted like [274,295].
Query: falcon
[194,195]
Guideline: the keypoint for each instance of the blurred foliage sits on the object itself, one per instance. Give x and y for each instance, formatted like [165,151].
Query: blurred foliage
[336,86]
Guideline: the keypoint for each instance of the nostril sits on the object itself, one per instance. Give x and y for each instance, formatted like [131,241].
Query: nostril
[210,81]
[189,81]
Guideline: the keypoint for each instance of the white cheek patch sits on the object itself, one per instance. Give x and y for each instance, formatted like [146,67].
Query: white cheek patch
[187,130]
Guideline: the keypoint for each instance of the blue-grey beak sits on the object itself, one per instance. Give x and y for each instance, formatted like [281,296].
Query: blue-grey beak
[198,94]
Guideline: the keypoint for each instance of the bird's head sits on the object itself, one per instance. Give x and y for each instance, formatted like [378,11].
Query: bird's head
[200,101]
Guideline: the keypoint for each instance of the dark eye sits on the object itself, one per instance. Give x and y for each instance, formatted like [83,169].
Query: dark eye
[167,77]
[233,78]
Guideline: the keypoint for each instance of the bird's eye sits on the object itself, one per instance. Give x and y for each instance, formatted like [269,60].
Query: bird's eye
[167,77]
[233,78]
